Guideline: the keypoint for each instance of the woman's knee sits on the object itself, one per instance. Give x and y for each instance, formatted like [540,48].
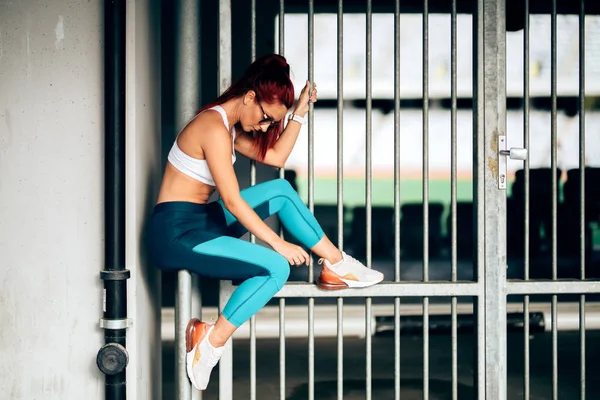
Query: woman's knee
[280,271]
[283,186]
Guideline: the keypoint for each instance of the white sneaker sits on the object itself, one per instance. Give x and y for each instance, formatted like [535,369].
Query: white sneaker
[347,273]
[201,356]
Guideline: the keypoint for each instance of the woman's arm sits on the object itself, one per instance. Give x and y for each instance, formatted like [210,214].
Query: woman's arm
[278,155]
[217,152]
[275,156]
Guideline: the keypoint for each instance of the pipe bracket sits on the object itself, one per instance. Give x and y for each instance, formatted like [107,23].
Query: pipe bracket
[112,275]
[115,323]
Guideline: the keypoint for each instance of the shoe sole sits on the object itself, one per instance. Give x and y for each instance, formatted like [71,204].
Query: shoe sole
[331,286]
[347,284]
[189,356]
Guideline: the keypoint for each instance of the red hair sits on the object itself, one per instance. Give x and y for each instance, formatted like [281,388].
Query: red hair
[269,78]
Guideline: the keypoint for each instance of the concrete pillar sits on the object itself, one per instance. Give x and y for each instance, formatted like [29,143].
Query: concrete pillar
[144,172]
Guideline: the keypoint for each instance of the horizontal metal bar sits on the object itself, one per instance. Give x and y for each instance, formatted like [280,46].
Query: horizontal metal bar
[296,317]
[389,289]
[566,286]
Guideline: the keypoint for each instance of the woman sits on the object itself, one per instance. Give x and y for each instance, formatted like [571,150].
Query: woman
[188,232]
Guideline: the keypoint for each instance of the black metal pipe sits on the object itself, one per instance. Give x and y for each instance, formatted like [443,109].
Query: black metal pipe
[112,358]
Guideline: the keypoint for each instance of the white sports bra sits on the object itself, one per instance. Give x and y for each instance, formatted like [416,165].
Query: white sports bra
[193,167]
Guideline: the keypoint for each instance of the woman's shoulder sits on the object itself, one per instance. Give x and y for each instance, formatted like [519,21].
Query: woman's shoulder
[204,131]
[209,122]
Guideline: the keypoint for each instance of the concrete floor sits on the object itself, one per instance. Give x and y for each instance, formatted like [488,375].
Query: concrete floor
[440,359]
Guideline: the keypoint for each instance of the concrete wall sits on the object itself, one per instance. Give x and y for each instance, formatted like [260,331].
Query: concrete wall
[51,186]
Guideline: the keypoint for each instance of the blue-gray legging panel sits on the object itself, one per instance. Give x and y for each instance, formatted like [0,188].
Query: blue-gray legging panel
[204,238]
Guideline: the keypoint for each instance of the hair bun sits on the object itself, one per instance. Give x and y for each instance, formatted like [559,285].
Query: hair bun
[274,61]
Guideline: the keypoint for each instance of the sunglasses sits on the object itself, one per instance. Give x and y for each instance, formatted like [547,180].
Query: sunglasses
[266,119]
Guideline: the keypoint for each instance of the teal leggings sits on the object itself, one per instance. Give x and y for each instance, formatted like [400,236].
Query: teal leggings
[204,238]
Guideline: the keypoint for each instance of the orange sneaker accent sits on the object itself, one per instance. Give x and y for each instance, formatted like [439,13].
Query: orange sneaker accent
[197,355]
[328,275]
[329,280]
[350,277]
[194,333]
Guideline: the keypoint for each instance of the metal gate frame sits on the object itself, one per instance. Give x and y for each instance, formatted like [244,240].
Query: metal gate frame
[490,287]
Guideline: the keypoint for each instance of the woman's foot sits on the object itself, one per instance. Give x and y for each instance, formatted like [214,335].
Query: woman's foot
[201,356]
[347,273]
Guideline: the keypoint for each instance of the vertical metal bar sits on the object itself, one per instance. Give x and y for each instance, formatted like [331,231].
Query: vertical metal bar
[582,191]
[397,347]
[453,142]
[225,56]
[340,123]
[311,199]
[494,93]
[183,313]
[311,117]
[282,369]
[479,196]
[553,134]
[252,237]
[526,104]
[281,52]
[425,348]
[340,189]
[226,362]
[453,85]
[368,134]
[253,30]
[226,287]
[425,196]
[281,26]
[253,357]
[425,141]
[397,197]
[253,57]
[311,348]
[369,184]
[368,345]
[282,349]
[186,104]
[196,307]
[582,351]
[340,348]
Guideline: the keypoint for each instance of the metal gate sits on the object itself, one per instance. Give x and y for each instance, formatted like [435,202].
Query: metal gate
[489,288]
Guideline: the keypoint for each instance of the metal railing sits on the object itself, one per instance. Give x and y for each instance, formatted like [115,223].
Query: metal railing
[490,287]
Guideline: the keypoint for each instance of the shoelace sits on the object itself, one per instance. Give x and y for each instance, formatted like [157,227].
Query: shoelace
[345,257]
[351,259]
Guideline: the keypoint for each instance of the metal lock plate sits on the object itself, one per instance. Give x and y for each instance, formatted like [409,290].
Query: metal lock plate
[501,162]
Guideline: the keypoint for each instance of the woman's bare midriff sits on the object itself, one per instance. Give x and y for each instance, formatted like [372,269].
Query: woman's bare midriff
[177,186]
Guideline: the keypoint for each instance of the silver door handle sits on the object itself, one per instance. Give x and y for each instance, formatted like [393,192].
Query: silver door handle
[515,153]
